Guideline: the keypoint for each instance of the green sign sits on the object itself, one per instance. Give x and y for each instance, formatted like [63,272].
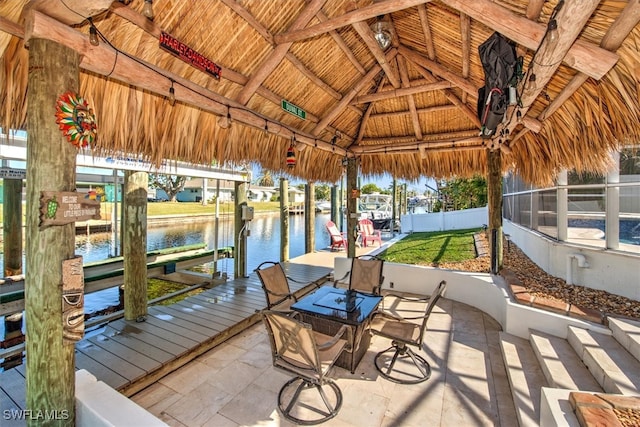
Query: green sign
[293,109]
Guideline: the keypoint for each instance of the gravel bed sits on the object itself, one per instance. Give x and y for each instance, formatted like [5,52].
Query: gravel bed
[539,283]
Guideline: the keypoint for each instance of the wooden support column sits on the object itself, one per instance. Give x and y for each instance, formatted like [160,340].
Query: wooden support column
[240,235]
[494,195]
[352,206]
[335,206]
[51,165]
[284,219]
[12,226]
[394,205]
[134,244]
[310,218]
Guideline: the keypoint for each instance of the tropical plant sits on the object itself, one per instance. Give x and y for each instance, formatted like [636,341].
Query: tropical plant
[170,184]
[265,180]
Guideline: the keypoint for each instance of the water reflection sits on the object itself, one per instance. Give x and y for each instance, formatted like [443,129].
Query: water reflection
[263,244]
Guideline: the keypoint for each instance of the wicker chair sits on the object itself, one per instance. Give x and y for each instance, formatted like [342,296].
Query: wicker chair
[365,275]
[404,333]
[275,284]
[309,355]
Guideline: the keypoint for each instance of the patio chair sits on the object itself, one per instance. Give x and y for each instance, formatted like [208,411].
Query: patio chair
[403,332]
[338,238]
[275,284]
[368,233]
[365,275]
[309,355]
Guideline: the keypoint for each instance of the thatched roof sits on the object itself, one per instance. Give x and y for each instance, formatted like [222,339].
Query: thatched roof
[409,111]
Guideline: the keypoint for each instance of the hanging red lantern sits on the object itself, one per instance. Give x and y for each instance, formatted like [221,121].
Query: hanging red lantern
[291,155]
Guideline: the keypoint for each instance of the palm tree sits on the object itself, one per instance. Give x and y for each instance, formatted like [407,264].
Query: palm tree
[265,180]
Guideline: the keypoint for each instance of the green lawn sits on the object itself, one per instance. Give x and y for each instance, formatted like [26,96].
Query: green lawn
[433,248]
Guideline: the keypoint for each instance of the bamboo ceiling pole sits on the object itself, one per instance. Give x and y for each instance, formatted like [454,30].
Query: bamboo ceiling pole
[134,244]
[51,166]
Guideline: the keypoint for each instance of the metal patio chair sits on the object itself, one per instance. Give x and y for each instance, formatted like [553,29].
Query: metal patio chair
[275,284]
[365,275]
[309,356]
[403,333]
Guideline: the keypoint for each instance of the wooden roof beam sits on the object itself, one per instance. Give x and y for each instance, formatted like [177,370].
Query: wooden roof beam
[582,56]
[404,77]
[419,146]
[342,45]
[367,36]
[278,54]
[346,99]
[362,14]
[365,117]
[426,30]
[432,137]
[103,60]
[251,20]
[227,73]
[70,12]
[612,40]
[534,8]
[571,19]
[426,110]
[462,106]
[406,91]
[465,38]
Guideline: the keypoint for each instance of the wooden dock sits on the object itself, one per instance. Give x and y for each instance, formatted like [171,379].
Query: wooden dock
[130,355]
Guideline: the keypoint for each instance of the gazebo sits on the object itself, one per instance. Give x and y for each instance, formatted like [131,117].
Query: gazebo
[308,89]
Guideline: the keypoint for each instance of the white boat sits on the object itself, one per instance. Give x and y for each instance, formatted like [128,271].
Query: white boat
[375,206]
[323,206]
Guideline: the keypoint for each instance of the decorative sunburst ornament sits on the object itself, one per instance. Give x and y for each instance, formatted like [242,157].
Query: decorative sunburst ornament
[76,120]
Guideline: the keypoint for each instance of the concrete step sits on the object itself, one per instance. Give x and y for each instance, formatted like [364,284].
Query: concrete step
[560,364]
[627,332]
[525,378]
[615,369]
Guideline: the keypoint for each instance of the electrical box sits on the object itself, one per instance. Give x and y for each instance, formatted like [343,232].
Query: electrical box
[247,213]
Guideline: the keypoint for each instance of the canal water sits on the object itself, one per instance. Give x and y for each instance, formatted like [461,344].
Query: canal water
[263,244]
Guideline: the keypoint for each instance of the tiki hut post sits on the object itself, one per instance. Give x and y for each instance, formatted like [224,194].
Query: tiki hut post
[494,195]
[335,206]
[352,205]
[310,217]
[284,219]
[612,221]
[12,226]
[240,235]
[134,244]
[51,166]
[562,194]
[394,204]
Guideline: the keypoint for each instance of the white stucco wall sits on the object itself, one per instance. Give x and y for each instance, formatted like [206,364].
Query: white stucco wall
[612,271]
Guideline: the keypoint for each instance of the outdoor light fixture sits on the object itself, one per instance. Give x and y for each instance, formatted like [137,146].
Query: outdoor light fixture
[552,30]
[531,84]
[147,9]
[172,95]
[225,122]
[291,153]
[93,36]
[382,33]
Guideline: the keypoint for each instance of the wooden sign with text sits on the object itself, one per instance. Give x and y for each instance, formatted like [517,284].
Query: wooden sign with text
[65,207]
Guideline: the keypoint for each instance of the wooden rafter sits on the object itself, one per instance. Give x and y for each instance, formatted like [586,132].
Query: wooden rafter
[233,76]
[367,12]
[251,20]
[311,76]
[612,40]
[475,142]
[70,12]
[278,54]
[571,19]
[103,60]
[426,110]
[404,77]
[342,45]
[367,36]
[426,30]
[365,117]
[582,56]
[405,91]
[353,92]
[534,8]
[432,137]
[465,38]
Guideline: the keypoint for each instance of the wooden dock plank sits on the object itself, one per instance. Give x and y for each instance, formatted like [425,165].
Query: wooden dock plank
[101,372]
[224,311]
[220,302]
[214,326]
[129,333]
[132,356]
[157,354]
[14,385]
[177,326]
[110,360]
[160,330]
[201,311]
